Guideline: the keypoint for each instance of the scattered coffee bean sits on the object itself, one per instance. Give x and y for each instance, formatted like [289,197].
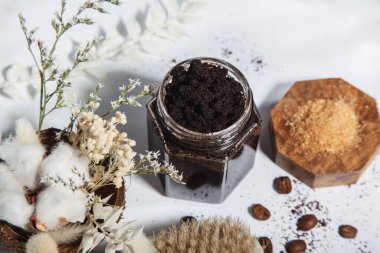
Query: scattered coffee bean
[283,185]
[296,246]
[266,244]
[307,222]
[348,231]
[188,219]
[260,212]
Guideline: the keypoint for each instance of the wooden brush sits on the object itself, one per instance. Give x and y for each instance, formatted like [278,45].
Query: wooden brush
[213,235]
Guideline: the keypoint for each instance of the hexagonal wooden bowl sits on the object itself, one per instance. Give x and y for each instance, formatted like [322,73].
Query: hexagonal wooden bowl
[325,170]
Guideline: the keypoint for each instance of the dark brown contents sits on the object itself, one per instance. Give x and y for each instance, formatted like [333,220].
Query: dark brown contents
[283,185]
[266,244]
[204,98]
[307,222]
[296,246]
[260,212]
[188,219]
[348,231]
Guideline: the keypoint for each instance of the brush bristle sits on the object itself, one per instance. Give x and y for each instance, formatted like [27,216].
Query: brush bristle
[209,236]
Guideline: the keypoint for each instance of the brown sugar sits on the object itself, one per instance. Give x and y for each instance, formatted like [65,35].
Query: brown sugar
[325,126]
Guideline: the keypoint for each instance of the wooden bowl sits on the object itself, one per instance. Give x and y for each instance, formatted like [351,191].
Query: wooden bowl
[15,238]
[318,170]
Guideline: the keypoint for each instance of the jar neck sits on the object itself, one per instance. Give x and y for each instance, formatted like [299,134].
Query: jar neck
[219,140]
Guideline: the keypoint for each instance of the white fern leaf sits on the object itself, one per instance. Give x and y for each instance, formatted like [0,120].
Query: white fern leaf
[10,90]
[137,234]
[149,45]
[159,13]
[192,6]
[155,16]
[97,239]
[111,220]
[133,52]
[188,18]
[87,241]
[133,28]
[176,29]
[110,248]
[149,19]
[172,7]
[17,73]
[165,34]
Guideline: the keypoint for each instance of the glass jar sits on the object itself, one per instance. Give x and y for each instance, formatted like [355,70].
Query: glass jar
[214,163]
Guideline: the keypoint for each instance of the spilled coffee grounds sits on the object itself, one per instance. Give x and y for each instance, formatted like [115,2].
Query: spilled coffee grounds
[204,98]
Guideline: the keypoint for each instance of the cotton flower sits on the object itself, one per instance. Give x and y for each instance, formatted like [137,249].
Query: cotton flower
[13,205]
[24,160]
[67,164]
[58,205]
[23,154]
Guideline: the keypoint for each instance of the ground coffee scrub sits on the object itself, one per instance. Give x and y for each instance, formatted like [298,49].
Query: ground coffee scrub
[205,122]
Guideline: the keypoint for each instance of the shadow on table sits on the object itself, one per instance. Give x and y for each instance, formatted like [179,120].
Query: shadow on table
[136,126]
[265,109]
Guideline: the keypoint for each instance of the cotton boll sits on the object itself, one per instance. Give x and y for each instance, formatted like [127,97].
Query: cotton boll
[13,206]
[57,205]
[8,182]
[25,132]
[15,209]
[62,162]
[41,243]
[24,160]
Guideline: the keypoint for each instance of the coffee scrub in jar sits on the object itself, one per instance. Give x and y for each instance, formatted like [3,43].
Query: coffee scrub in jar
[204,121]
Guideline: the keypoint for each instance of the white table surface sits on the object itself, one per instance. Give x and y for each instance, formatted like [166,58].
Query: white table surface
[296,40]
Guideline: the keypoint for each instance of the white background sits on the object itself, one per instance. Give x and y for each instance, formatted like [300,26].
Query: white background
[296,40]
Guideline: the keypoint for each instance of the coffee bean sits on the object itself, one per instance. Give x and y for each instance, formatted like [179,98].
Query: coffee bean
[260,212]
[188,219]
[307,222]
[266,244]
[283,185]
[296,246]
[348,231]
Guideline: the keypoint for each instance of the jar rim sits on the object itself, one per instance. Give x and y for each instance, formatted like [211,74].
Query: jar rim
[222,138]
[242,81]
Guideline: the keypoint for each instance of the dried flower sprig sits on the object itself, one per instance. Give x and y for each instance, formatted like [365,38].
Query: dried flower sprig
[44,58]
[149,164]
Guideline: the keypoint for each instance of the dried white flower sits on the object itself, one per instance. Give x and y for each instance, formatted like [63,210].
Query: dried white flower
[121,118]
[98,138]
